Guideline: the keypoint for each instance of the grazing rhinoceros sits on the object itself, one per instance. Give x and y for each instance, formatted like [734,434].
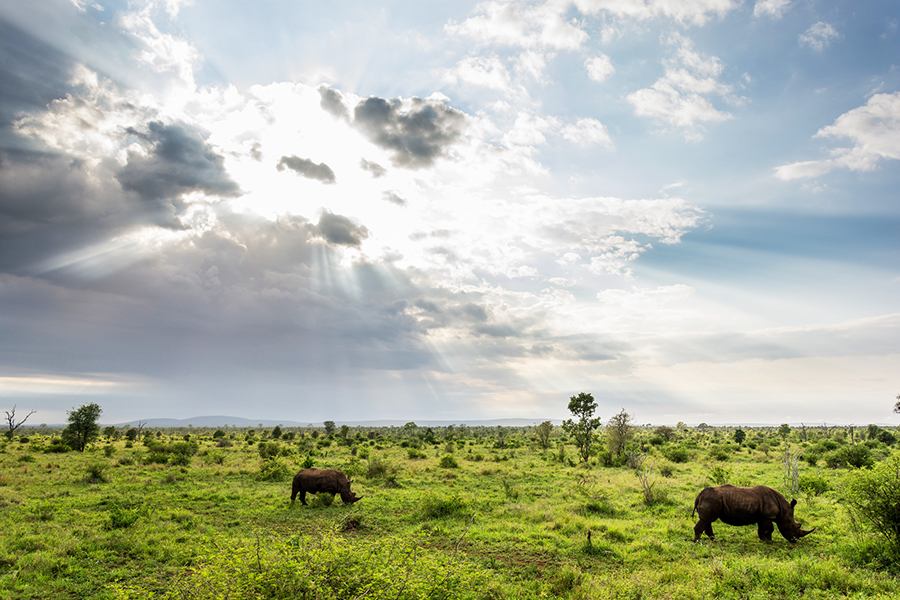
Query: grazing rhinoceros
[745,506]
[326,481]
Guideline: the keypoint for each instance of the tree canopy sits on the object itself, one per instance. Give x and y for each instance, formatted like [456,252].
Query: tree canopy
[582,408]
[83,427]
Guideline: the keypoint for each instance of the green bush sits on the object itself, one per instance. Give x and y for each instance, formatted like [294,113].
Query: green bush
[436,507]
[448,462]
[677,455]
[328,568]
[273,469]
[814,484]
[120,518]
[873,496]
[850,456]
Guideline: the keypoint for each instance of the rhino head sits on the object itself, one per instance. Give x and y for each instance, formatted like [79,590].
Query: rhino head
[791,529]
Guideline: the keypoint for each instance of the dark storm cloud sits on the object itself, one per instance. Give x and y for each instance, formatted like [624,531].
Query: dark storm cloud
[333,102]
[417,132]
[255,296]
[178,161]
[307,168]
[32,74]
[341,231]
[52,203]
[393,198]
[372,167]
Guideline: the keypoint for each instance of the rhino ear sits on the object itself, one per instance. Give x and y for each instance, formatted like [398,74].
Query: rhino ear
[793,503]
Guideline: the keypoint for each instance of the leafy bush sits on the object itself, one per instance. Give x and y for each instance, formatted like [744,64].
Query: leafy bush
[448,462]
[96,473]
[720,452]
[850,456]
[328,568]
[677,455]
[874,498]
[121,518]
[814,484]
[321,500]
[379,468]
[414,454]
[436,507]
[719,475]
[273,469]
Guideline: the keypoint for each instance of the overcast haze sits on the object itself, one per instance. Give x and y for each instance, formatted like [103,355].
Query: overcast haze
[451,211]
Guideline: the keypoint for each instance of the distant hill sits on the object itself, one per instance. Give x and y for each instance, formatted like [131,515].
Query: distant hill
[221,421]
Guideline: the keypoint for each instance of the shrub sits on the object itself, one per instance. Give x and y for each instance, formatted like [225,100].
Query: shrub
[321,500]
[96,473]
[273,469]
[850,456]
[120,518]
[874,498]
[435,507]
[677,455]
[814,484]
[448,462]
[414,454]
[719,475]
[327,567]
[719,453]
[379,468]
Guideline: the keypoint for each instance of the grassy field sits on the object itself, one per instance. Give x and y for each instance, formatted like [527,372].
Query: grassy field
[459,513]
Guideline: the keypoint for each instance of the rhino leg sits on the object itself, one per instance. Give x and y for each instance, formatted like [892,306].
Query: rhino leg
[703,527]
[303,497]
[764,530]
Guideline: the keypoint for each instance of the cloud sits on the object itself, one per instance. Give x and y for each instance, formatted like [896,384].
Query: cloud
[819,36]
[481,71]
[588,132]
[333,102]
[681,96]
[341,231]
[416,131]
[517,24]
[697,12]
[372,167]
[393,197]
[771,8]
[874,130]
[599,68]
[172,160]
[307,168]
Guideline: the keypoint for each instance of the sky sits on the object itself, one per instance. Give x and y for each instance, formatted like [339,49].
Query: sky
[458,211]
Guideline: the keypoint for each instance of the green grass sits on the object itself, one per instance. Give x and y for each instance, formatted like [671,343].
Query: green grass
[507,522]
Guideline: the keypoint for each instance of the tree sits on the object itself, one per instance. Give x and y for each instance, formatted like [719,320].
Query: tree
[739,435]
[618,432]
[276,433]
[13,424]
[665,432]
[784,431]
[82,428]
[329,427]
[897,406]
[543,434]
[582,407]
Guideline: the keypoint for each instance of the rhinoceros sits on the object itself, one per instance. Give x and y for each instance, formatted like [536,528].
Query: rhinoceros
[328,481]
[745,506]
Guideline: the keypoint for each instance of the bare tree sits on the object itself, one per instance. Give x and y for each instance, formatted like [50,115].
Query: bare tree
[13,424]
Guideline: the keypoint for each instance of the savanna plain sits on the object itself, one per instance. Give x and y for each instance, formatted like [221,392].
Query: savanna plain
[450,512]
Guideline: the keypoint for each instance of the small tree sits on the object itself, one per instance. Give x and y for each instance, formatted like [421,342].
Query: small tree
[329,427]
[543,434]
[897,406]
[276,432]
[82,428]
[739,436]
[582,407]
[874,498]
[618,432]
[13,424]
[665,432]
[784,431]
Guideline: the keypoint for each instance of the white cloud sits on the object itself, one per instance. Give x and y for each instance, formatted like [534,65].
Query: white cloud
[697,12]
[482,71]
[680,97]
[875,131]
[587,132]
[771,8]
[599,68]
[819,36]
[517,24]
